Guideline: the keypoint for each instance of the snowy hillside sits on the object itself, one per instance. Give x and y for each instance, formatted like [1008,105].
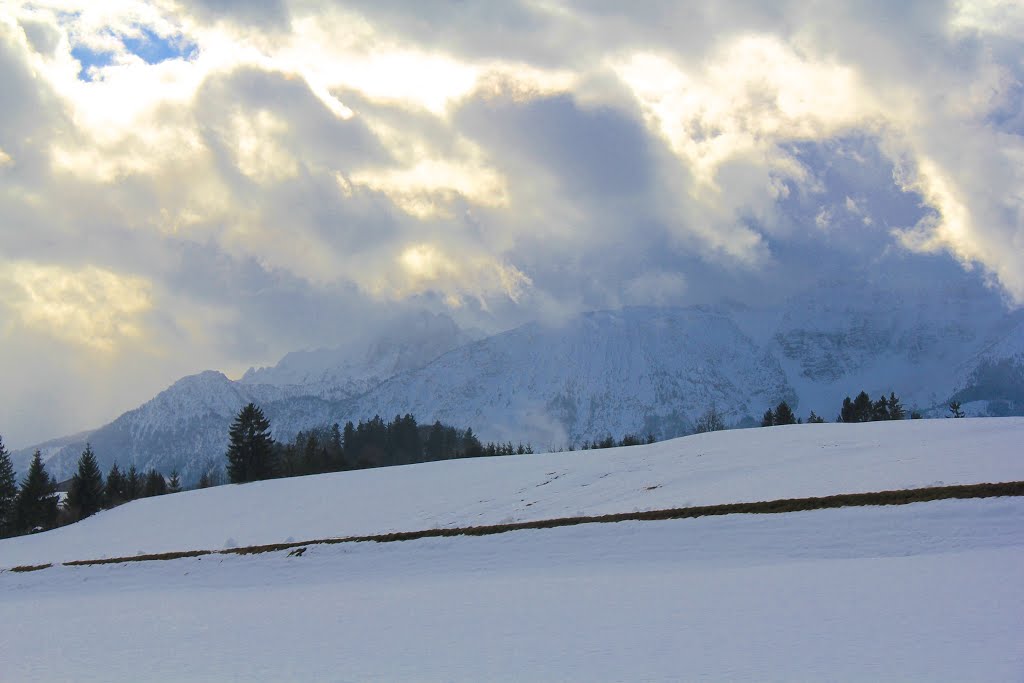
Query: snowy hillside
[920,592]
[721,467]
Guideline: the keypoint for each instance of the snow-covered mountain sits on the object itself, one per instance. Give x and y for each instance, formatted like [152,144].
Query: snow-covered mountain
[843,337]
[184,426]
[405,344]
[637,370]
[991,382]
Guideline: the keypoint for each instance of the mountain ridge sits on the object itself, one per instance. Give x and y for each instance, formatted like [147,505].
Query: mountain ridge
[633,370]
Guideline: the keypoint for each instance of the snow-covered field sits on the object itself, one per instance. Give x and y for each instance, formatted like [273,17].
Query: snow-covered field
[724,467]
[928,591]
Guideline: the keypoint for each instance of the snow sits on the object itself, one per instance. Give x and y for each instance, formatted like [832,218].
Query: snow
[923,592]
[920,592]
[636,370]
[722,467]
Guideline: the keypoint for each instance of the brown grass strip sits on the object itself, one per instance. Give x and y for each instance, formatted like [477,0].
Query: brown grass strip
[898,497]
[141,558]
[30,567]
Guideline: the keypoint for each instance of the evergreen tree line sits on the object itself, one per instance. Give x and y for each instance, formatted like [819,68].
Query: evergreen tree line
[610,442]
[34,505]
[859,409]
[784,415]
[863,409]
[253,454]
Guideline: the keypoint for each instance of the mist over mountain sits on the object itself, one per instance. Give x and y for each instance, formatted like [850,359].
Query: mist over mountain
[640,370]
[404,344]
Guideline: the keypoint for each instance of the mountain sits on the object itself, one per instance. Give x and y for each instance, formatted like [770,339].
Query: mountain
[991,382]
[185,427]
[842,337]
[637,370]
[405,344]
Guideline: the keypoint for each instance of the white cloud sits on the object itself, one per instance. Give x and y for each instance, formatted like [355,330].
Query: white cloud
[1002,17]
[504,159]
[425,267]
[657,288]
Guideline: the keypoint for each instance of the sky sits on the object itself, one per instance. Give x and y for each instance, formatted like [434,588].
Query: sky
[198,184]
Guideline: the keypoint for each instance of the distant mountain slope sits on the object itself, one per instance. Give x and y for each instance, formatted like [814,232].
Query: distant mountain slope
[406,344]
[183,426]
[842,337]
[993,379]
[639,370]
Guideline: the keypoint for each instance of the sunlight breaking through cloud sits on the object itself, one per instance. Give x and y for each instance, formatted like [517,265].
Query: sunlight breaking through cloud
[501,161]
[90,307]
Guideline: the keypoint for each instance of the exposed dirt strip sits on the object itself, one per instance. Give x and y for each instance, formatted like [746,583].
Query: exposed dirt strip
[898,497]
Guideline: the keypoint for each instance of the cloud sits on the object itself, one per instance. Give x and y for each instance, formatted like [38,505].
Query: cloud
[270,15]
[425,267]
[96,308]
[258,174]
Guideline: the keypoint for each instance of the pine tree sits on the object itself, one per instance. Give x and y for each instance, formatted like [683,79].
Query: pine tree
[132,484]
[769,418]
[8,492]
[814,418]
[896,411]
[847,413]
[348,442]
[174,485]
[114,492]
[311,454]
[155,484]
[471,446]
[880,410]
[863,408]
[250,449]
[435,445]
[204,480]
[85,497]
[336,451]
[954,409]
[784,414]
[36,505]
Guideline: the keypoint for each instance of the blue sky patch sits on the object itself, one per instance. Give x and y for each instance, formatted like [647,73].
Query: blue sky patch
[89,58]
[154,49]
[148,46]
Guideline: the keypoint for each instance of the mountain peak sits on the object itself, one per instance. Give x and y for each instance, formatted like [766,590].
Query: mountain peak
[400,345]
